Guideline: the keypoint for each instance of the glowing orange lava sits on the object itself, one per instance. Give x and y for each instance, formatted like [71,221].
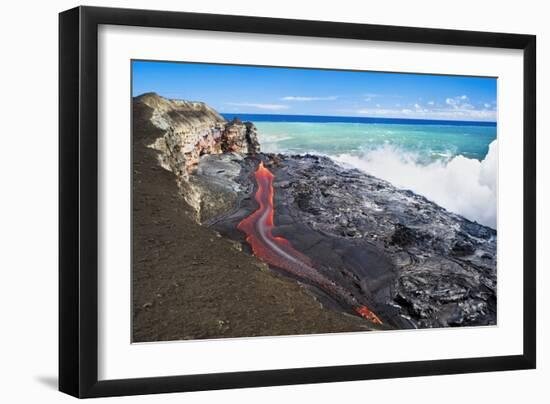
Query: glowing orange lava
[364,312]
[278,252]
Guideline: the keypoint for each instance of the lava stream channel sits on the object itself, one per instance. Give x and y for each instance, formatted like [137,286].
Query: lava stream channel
[278,252]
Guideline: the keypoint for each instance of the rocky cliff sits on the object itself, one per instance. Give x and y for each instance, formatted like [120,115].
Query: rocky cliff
[188,131]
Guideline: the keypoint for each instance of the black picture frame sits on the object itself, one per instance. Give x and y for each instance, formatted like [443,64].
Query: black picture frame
[78,201]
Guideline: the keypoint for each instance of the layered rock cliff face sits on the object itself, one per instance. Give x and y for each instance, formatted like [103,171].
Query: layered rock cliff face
[191,130]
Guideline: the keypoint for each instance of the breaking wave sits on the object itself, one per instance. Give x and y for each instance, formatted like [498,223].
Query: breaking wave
[459,184]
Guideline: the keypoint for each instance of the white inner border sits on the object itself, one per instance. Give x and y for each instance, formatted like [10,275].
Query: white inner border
[118,358]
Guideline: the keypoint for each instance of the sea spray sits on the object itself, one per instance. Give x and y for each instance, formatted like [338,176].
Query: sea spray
[459,184]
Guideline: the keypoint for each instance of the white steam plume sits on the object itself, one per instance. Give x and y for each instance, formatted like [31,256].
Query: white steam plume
[461,185]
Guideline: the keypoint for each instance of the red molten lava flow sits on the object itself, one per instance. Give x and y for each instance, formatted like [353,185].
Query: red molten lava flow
[364,312]
[278,252]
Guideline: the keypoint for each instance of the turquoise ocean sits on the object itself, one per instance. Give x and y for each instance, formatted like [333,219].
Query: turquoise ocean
[452,163]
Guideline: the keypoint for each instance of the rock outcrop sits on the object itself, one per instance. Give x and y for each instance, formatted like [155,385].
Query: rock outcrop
[240,137]
[191,130]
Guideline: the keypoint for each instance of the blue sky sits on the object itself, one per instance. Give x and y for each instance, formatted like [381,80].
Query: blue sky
[249,89]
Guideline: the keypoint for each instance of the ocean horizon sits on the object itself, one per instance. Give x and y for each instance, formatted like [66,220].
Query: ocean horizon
[350,119]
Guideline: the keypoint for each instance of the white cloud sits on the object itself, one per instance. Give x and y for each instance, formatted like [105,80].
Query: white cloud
[378,111]
[419,109]
[303,98]
[460,103]
[457,109]
[271,107]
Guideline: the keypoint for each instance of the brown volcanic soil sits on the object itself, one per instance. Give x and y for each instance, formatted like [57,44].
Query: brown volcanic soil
[188,283]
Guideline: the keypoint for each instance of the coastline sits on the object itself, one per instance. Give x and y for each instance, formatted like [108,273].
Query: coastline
[453,166]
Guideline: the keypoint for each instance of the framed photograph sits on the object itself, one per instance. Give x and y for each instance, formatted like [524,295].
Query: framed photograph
[251,201]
